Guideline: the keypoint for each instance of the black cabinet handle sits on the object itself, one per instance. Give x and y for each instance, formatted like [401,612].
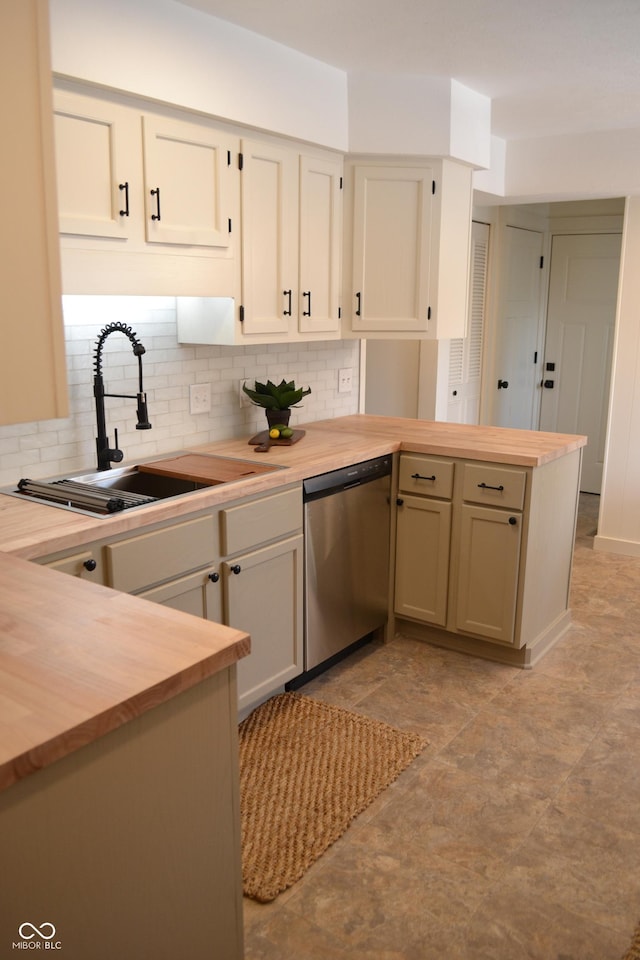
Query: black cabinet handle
[359,302]
[513,521]
[418,476]
[287,293]
[548,384]
[487,486]
[307,313]
[503,384]
[156,193]
[399,501]
[125,186]
[236,568]
[90,565]
[214,577]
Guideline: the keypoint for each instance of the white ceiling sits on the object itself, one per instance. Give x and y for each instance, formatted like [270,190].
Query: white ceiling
[549,66]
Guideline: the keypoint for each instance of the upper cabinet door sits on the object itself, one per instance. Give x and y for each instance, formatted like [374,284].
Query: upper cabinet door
[391,237]
[320,244]
[269,238]
[188,183]
[98,167]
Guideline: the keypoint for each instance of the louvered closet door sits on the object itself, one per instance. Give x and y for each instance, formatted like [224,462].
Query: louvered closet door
[465,356]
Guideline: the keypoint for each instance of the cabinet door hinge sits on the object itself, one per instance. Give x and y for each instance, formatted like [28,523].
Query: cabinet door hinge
[241,314]
[433,186]
[541,262]
[240,161]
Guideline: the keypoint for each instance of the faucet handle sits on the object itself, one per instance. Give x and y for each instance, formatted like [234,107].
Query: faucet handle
[116,455]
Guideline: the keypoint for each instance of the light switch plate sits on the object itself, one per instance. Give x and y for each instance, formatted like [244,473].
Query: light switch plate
[200,398]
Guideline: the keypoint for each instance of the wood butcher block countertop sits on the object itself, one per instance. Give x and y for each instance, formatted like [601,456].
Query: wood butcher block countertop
[78,659]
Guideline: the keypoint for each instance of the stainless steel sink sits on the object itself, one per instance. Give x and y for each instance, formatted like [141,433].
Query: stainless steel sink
[106,492]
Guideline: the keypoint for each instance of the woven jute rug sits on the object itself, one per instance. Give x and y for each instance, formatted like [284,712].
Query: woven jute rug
[306,770]
[633,953]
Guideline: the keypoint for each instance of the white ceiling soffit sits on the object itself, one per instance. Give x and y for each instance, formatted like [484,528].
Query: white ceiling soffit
[550,67]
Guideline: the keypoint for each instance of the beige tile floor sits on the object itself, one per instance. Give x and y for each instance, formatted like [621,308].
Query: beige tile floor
[516,834]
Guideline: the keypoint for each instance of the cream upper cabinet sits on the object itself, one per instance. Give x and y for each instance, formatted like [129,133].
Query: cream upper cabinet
[148,204]
[99,171]
[291,253]
[407,244]
[320,245]
[32,357]
[269,302]
[189,173]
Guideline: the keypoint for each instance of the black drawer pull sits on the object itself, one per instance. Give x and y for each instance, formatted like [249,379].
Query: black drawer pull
[418,476]
[236,568]
[156,193]
[487,486]
[125,186]
[359,304]
[287,293]
[307,313]
[214,577]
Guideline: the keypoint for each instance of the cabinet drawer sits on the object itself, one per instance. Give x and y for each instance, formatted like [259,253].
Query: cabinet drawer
[496,485]
[270,518]
[428,476]
[162,555]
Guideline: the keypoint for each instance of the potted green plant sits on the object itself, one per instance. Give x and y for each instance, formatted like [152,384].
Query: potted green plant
[277,399]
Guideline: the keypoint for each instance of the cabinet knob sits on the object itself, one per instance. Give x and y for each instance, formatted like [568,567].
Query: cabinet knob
[513,521]
[90,565]
[399,501]
[236,568]
[503,384]
[214,577]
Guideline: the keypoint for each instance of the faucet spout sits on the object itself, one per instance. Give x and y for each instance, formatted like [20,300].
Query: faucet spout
[105,453]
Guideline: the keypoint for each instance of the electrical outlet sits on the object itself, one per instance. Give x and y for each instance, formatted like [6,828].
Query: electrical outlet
[345,380]
[244,399]
[200,398]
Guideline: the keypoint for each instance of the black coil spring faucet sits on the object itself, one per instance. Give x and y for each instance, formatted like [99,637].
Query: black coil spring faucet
[106,454]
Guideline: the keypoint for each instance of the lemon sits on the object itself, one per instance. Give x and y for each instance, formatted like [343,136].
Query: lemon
[274,433]
[286,432]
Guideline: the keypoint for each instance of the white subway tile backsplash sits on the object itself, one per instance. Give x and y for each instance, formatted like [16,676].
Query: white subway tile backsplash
[51,447]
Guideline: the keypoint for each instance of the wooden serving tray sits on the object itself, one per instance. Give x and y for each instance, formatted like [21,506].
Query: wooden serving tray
[263,437]
[204,468]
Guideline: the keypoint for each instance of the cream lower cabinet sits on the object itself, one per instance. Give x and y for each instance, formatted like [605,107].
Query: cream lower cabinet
[484,552]
[263,589]
[241,565]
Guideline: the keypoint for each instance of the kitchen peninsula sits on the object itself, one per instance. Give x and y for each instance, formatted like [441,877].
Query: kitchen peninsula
[140,692]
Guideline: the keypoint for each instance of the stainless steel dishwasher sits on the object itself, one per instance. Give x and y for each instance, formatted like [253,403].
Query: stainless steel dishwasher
[346,527]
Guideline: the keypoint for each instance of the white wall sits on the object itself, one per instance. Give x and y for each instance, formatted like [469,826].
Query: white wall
[619,523]
[52,447]
[175,54]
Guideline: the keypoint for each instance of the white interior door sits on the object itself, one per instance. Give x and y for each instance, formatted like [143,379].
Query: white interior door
[518,331]
[583,289]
